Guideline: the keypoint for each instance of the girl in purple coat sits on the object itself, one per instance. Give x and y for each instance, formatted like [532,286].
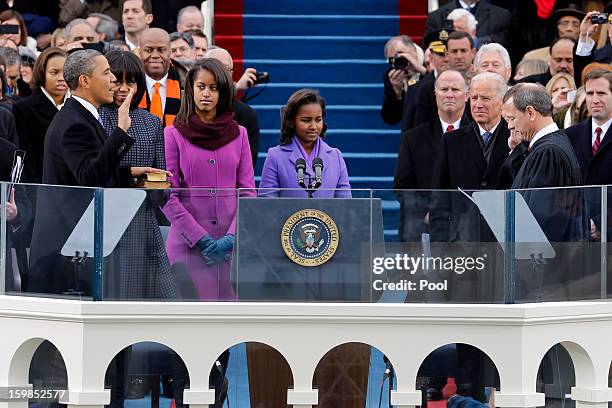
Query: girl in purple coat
[302,129]
[208,154]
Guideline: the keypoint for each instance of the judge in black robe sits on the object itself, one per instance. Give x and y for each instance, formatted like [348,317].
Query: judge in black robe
[561,213]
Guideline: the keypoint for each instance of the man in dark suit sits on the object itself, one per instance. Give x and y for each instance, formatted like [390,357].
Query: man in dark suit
[460,56]
[470,158]
[418,150]
[493,22]
[584,52]
[77,153]
[136,17]
[592,139]
[401,84]
[561,60]
[560,213]
[592,142]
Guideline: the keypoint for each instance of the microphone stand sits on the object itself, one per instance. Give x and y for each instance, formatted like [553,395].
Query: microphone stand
[311,187]
[77,262]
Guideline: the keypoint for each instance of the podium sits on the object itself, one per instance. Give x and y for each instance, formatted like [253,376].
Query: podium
[264,272]
[270,231]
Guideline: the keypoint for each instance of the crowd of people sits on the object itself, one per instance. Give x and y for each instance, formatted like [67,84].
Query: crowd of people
[459,90]
[104,93]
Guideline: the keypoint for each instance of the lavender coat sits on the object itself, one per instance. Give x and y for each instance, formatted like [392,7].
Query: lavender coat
[279,172]
[201,207]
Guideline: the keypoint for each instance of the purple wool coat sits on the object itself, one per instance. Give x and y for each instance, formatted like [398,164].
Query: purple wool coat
[201,206]
[279,172]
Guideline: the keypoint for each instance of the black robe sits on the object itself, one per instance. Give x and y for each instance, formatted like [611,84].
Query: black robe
[551,163]
[562,215]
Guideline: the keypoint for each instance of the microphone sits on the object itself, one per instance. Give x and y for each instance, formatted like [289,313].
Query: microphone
[300,168]
[317,165]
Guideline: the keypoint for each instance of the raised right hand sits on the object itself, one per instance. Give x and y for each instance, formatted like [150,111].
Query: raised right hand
[124,112]
[586,26]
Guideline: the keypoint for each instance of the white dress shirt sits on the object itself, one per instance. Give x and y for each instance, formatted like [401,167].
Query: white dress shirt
[87,105]
[492,131]
[60,106]
[584,48]
[604,129]
[130,44]
[162,89]
[466,6]
[445,125]
[546,130]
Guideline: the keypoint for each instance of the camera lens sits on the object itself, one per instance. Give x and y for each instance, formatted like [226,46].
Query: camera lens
[400,62]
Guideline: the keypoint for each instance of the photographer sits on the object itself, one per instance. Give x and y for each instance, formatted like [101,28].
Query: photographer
[584,52]
[401,81]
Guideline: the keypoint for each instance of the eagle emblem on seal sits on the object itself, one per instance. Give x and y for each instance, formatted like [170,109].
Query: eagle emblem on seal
[310,238]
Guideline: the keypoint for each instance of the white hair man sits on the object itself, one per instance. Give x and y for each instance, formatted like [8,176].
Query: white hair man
[464,21]
[493,57]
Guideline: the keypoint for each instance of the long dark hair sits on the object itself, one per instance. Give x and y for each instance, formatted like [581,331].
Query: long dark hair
[124,64]
[225,86]
[297,100]
[40,66]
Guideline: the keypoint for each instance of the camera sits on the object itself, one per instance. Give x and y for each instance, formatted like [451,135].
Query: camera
[399,62]
[9,29]
[261,78]
[601,18]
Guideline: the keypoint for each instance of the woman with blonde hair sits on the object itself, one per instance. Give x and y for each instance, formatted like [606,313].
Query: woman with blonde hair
[558,88]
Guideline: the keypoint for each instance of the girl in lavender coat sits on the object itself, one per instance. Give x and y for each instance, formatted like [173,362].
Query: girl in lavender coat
[302,130]
[208,154]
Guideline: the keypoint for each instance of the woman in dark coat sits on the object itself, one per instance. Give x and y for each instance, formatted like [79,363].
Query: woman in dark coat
[34,113]
[143,262]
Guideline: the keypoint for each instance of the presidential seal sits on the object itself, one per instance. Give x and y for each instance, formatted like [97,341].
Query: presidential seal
[310,237]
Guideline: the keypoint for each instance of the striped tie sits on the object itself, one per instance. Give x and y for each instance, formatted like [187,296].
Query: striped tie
[597,140]
[486,136]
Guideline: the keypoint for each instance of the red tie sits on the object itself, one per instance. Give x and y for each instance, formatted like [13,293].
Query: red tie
[597,140]
[450,128]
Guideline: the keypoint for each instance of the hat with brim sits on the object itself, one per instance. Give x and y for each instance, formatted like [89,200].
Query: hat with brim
[436,41]
[571,10]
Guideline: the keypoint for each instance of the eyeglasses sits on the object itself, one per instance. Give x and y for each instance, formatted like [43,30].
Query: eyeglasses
[574,24]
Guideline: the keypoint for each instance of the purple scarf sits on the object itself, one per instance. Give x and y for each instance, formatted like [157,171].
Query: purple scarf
[210,136]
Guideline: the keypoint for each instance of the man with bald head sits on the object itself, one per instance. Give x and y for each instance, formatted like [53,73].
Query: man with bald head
[245,115]
[418,150]
[163,96]
[189,18]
